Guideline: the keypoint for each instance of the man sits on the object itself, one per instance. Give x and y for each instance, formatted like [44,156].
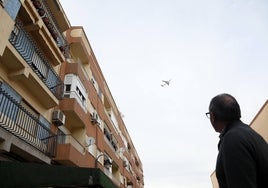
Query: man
[242,160]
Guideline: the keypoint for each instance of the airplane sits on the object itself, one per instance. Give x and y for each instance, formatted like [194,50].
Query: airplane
[165,82]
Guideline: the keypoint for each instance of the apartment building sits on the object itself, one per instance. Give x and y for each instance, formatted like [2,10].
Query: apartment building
[59,123]
[259,124]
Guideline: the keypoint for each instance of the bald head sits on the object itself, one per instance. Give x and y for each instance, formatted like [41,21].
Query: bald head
[225,108]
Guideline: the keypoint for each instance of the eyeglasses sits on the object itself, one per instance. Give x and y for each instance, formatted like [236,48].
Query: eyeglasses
[208,115]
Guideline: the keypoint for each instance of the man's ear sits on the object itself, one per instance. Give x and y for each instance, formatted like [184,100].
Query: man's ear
[212,117]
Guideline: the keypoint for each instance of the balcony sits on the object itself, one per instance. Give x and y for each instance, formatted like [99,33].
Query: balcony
[38,17]
[70,151]
[77,69]
[76,117]
[19,122]
[41,22]
[79,44]
[34,58]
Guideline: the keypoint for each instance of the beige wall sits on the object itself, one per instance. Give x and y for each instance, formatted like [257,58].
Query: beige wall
[259,123]
[214,180]
[5,30]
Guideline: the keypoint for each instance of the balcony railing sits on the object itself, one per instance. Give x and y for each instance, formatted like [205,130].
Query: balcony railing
[69,139]
[30,52]
[21,123]
[49,20]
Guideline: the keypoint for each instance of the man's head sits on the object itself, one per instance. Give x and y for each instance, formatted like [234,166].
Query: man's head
[223,109]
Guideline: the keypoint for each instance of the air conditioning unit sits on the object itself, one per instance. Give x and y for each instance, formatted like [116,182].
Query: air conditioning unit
[58,118]
[95,117]
[108,163]
[125,163]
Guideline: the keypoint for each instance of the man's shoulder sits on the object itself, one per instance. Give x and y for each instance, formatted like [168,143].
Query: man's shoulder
[243,133]
[238,128]
[237,133]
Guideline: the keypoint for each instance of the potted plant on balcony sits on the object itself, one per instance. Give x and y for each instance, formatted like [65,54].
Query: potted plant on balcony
[54,35]
[63,48]
[37,4]
[45,20]
[41,12]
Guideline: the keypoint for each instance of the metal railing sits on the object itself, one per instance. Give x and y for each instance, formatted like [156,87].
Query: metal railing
[75,95]
[33,56]
[69,139]
[50,22]
[15,119]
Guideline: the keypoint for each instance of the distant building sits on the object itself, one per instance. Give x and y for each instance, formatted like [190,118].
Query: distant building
[59,124]
[259,124]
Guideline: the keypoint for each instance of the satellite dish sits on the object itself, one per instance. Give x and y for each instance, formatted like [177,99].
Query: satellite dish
[122,150]
[90,141]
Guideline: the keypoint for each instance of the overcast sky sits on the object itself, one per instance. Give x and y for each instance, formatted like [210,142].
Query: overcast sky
[205,47]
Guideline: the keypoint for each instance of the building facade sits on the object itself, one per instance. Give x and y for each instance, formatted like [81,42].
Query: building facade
[59,124]
[259,124]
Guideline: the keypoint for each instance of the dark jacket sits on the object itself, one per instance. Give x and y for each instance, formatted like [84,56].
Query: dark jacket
[243,158]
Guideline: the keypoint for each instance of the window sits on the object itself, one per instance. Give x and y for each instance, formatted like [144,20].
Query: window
[74,88]
[10,109]
[40,67]
[44,128]
[13,94]
[19,111]
[67,89]
[111,139]
[80,95]
[23,121]
[61,138]
[100,93]
[107,133]
[12,7]
[30,116]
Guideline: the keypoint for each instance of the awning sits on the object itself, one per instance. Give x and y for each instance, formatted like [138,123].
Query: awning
[16,174]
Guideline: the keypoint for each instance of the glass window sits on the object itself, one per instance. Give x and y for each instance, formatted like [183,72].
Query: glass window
[12,7]
[43,129]
[67,88]
[11,92]
[9,99]
[29,117]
